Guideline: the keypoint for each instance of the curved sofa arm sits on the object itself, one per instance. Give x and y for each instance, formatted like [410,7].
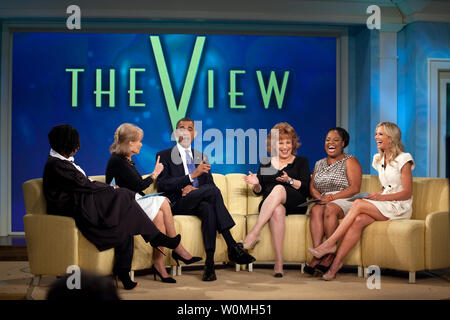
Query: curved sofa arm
[52,243]
[437,240]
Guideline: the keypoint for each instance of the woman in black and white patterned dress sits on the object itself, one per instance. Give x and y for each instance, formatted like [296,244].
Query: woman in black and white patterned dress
[336,178]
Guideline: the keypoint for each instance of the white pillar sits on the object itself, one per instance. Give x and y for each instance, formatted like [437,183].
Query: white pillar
[388,76]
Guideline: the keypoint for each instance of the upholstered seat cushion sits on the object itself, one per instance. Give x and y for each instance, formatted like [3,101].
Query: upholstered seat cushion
[394,244]
[52,243]
[90,259]
[294,239]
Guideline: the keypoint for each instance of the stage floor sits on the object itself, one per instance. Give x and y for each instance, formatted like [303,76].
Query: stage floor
[257,285]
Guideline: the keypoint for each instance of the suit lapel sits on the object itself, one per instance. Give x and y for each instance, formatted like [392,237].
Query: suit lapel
[177,161]
[197,157]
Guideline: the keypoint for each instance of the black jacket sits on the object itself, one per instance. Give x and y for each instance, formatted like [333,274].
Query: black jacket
[126,175]
[172,179]
[104,215]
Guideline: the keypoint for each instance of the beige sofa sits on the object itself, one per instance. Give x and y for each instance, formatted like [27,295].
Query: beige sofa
[422,243]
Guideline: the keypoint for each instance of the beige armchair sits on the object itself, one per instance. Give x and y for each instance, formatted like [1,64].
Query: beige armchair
[54,242]
[421,243]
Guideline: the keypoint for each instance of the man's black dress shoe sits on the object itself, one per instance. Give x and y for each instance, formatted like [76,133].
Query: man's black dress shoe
[209,274]
[239,256]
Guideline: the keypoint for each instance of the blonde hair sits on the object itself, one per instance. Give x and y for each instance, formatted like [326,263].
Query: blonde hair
[396,147]
[125,133]
[284,129]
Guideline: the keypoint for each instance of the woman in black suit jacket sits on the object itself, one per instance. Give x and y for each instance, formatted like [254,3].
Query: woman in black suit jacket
[283,181]
[105,215]
[128,142]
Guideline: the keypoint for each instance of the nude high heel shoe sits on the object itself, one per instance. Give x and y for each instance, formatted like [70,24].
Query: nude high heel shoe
[328,276]
[252,245]
[319,255]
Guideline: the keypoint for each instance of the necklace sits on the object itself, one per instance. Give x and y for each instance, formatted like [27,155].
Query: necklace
[129,160]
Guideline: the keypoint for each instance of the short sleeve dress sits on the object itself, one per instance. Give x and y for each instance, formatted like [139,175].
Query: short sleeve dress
[391,180]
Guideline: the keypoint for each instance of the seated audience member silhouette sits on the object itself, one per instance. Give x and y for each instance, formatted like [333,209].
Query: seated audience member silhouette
[90,287]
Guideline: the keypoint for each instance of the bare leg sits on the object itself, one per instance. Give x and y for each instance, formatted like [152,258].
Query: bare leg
[170,229]
[331,215]
[316,227]
[360,206]
[168,219]
[158,257]
[350,239]
[276,197]
[277,227]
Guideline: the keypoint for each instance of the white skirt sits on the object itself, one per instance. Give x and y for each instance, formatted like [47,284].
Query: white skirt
[150,205]
[343,203]
[394,209]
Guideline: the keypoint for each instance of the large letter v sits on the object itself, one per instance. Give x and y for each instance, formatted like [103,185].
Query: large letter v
[177,112]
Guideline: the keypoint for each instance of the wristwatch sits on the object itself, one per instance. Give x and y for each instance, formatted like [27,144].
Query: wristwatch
[291,181]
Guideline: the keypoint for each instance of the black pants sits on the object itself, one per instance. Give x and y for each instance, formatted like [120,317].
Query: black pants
[123,255]
[206,202]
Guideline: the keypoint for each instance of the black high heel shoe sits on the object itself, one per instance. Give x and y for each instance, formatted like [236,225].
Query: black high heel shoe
[177,257]
[321,267]
[124,277]
[166,280]
[161,240]
[278,275]
[309,270]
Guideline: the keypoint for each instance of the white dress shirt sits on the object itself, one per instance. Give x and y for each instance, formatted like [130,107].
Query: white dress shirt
[55,154]
[182,151]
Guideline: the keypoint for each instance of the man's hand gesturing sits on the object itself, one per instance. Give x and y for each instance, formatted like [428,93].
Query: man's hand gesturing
[201,169]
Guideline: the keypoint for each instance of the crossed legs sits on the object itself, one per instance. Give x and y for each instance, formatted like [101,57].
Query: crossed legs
[361,214]
[164,222]
[170,228]
[277,225]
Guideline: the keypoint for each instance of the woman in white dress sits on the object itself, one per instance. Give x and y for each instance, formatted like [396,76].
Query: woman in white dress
[127,143]
[393,201]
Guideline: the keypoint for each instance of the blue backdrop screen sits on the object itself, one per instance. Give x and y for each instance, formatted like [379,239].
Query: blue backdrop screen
[231,83]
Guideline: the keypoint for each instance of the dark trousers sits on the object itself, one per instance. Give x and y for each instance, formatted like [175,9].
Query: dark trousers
[206,202]
[123,255]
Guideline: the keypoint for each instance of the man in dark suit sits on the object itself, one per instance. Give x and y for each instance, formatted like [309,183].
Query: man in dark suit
[188,183]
